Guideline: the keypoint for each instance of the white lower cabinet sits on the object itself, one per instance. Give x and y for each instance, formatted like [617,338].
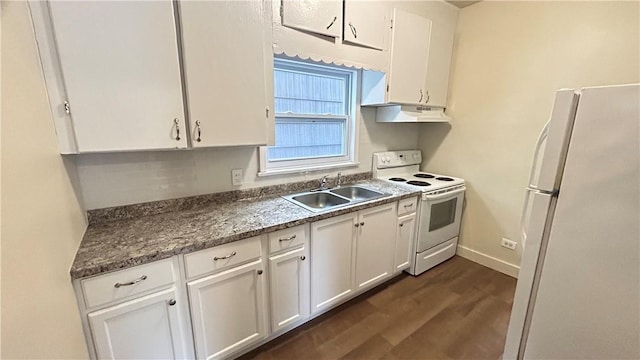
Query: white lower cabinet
[332,250]
[228,310]
[140,312]
[144,328]
[351,253]
[376,239]
[289,286]
[404,241]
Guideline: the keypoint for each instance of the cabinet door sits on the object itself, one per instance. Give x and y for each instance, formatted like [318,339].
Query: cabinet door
[375,244]
[144,328]
[227,310]
[332,249]
[365,23]
[120,68]
[322,17]
[439,63]
[408,61]
[405,239]
[225,67]
[289,280]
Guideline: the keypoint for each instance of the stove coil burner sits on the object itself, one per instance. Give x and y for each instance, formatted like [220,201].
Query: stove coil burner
[397,179]
[418,183]
[424,176]
[444,178]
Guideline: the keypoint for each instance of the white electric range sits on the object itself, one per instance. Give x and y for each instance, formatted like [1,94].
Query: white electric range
[439,213]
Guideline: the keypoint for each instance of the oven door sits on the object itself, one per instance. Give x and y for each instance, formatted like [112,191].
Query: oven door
[439,218]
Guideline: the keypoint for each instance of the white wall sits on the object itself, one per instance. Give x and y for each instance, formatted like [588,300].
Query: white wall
[128,178]
[42,220]
[509,59]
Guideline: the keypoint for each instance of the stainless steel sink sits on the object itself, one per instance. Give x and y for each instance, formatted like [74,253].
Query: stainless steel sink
[325,200]
[319,200]
[357,193]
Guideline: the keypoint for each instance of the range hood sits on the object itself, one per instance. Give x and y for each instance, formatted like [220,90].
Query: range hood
[410,113]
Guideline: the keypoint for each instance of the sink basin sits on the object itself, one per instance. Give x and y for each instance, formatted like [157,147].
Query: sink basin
[319,200]
[325,200]
[357,193]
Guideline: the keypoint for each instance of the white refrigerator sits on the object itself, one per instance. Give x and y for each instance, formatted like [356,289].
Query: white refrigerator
[578,290]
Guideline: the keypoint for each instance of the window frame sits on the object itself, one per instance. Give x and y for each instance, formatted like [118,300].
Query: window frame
[348,159]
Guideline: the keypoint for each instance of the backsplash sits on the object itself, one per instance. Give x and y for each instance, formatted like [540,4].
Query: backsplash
[116,179]
[187,203]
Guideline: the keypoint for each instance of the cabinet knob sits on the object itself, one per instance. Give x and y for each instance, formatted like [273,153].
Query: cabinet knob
[362,223]
[175,122]
[356,225]
[303,258]
[172,302]
[260,272]
[401,225]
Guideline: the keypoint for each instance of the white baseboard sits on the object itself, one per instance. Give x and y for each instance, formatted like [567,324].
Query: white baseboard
[488,261]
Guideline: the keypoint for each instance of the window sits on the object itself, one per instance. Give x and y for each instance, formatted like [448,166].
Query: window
[314,118]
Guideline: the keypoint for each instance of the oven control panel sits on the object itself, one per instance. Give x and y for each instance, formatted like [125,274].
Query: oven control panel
[389,159]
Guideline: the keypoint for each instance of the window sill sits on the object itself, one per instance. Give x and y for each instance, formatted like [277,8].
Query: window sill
[305,169]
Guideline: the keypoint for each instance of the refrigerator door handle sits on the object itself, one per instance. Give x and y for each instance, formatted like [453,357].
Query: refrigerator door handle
[536,155]
[525,213]
[523,219]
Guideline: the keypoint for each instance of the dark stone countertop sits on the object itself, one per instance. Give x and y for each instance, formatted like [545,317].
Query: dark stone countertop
[124,243]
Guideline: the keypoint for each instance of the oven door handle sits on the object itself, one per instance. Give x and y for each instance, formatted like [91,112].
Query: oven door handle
[450,194]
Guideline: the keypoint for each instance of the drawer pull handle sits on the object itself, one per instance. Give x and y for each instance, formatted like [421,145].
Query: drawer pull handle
[133,282]
[215,258]
[408,206]
[287,239]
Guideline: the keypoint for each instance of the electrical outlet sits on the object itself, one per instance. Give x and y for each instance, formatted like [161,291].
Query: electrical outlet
[509,244]
[236,177]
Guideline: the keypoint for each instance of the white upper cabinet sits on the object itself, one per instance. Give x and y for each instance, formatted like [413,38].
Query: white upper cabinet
[226,71]
[409,54]
[419,62]
[366,23]
[439,63]
[121,74]
[322,17]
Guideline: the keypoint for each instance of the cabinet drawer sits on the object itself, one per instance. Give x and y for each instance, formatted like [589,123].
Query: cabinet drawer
[220,257]
[122,284]
[407,206]
[287,238]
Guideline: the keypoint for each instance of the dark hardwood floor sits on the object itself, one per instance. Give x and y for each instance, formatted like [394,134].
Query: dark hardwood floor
[457,310]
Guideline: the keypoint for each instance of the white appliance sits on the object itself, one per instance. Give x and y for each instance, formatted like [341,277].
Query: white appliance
[578,291]
[439,210]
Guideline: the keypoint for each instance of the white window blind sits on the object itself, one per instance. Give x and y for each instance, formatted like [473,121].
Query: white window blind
[314,122]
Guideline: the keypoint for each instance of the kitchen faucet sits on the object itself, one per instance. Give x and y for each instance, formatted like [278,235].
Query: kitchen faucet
[323,183]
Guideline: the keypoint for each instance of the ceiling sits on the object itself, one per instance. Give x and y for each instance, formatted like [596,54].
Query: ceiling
[462,3]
